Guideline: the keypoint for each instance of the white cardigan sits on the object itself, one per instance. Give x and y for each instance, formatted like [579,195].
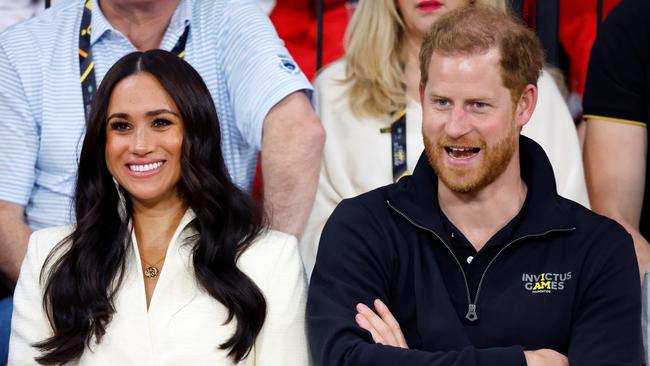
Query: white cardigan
[183,325]
[357,158]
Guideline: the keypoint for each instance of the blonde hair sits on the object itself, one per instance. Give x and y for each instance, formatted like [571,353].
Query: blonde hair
[373,45]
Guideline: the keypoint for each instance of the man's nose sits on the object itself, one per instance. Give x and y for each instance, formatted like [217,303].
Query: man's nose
[457,124]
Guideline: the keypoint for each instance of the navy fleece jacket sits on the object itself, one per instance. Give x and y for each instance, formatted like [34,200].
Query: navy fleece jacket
[567,279]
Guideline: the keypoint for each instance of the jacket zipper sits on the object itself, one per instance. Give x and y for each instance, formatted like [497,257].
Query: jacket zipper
[472,314]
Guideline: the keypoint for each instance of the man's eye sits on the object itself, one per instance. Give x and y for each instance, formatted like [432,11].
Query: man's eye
[119,126]
[479,105]
[161,123]
[441,103]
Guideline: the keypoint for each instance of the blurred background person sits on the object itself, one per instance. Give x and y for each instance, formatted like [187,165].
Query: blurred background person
[368,105]
[169,262]
[577,29]
[15,11]
[617,113]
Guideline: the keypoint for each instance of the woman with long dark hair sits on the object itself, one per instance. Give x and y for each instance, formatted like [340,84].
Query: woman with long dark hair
[168,263]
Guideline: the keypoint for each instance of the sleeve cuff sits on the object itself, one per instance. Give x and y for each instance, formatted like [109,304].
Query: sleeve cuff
[280,94]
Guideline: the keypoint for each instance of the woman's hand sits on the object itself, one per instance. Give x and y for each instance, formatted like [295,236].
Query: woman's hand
[382,325]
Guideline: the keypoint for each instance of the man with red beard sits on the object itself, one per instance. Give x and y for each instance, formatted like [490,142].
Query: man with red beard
[474,259]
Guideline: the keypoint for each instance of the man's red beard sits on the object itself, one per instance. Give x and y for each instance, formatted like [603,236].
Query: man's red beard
[493,163]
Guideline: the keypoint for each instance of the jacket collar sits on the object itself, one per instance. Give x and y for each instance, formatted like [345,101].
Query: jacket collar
[100,25]
[416,196]
[173,289]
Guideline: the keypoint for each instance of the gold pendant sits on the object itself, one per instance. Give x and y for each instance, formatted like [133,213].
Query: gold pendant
[151,272]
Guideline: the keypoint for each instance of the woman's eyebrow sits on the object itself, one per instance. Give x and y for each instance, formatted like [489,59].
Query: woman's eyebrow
[148,114]
[160,111]
[118,115]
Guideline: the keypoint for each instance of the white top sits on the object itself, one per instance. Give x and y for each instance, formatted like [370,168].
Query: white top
[184,325]
[357,158]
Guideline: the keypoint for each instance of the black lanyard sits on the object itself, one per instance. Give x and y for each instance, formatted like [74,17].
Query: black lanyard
[397,131]
[87,65]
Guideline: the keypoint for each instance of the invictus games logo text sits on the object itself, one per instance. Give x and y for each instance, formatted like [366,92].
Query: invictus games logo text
[545,282]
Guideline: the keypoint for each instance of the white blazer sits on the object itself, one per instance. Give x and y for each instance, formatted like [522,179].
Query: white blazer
[183,325]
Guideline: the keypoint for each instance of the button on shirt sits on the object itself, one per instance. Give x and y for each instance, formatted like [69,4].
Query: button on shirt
[474,263]
[231,43]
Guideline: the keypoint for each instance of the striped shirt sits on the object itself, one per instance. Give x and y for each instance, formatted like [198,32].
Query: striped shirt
[232,44]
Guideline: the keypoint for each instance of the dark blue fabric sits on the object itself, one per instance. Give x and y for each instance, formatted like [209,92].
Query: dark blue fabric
[568,281]
[5,327]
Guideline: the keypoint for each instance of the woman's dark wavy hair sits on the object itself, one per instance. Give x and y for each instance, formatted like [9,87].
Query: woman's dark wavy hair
[81,285]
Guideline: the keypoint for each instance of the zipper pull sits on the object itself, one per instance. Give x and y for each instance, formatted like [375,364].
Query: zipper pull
[471,313]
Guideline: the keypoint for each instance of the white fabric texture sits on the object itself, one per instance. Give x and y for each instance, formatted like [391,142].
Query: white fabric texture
[357,157]
[183,325]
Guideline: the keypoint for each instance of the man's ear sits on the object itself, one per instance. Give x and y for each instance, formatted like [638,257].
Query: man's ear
[526,105]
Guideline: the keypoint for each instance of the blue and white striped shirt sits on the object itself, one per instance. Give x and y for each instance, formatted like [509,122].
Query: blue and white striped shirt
[232,44]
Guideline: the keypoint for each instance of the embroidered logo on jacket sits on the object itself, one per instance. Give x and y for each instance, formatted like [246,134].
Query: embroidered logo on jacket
[545,282]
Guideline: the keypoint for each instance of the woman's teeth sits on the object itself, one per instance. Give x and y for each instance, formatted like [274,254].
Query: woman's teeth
[145,167]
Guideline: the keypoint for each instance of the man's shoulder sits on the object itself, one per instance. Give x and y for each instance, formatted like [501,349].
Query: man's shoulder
[213,13]
[372,202]
[359,232]
[363,214]
[596,231]
[209,8]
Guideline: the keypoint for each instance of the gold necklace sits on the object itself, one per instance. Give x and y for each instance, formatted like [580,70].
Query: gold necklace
[152,270]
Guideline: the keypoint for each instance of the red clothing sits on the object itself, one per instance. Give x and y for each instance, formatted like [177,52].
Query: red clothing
[295,21]
[577,32]
[578,26]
